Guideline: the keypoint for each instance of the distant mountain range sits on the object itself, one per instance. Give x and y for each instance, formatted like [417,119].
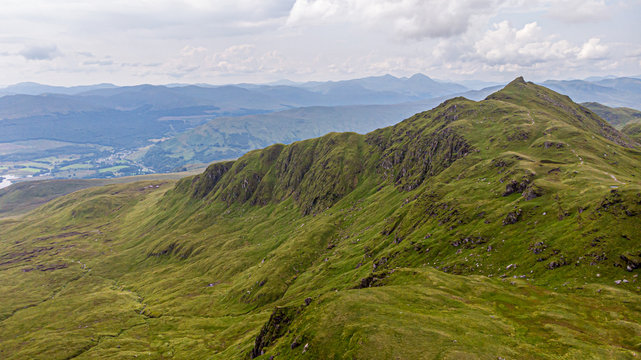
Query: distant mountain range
[59,113]
[204,123]
[32,88]
[615,92]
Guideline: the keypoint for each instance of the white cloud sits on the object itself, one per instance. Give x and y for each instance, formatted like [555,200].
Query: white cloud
[505,45]
[593,49]
[315,11]
[416,19]
[236,59]
[159,41]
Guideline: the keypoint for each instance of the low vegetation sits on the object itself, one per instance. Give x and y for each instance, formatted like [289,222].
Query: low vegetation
[505,228]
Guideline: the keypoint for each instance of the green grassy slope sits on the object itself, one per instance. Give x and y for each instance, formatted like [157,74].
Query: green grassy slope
[229,138]
[618,117]
[633,130]
[22,197]
[506,228]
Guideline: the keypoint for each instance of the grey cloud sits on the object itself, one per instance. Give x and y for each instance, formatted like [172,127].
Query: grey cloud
[39,52]
[99,62]
[417,19]
[174,18]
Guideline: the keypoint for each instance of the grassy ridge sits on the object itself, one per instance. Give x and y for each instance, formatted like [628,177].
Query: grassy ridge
[618,117]
[476,230]
[633,130]
[24,196]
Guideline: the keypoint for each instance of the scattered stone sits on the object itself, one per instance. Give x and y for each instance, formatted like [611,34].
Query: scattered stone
[631,261]
[380,262]
[549,144]
[513,187]
[308,301]
[512,217]
[617,282]
[511,266]
[538,247]
[532,192]
[554,264]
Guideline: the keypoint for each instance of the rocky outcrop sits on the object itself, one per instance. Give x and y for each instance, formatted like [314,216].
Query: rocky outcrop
[275,328]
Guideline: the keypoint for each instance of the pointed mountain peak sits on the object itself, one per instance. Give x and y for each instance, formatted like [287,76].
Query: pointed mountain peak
[518,80]
[518,83]
[517,89]
[420,76]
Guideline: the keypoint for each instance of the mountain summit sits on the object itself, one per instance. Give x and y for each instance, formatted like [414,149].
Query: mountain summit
[504,228]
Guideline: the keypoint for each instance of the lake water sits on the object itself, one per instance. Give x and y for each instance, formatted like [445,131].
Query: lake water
[7,180]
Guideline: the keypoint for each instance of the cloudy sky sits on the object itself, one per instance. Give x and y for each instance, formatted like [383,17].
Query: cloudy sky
[69,42]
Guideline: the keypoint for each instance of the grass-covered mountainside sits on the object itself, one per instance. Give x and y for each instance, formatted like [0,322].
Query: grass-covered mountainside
[617,117]
[633,130]
[501,229]
[22,197]
[231,137]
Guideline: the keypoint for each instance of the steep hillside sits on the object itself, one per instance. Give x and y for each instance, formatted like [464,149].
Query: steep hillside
[228,138]
[633,130]
[505,228]
[22,197]
[618,117]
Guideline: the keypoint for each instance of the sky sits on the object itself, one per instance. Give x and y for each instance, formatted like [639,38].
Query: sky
[127,42]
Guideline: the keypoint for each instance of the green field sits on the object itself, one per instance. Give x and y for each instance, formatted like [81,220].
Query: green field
[500,229]
[112,169]
[78,166]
